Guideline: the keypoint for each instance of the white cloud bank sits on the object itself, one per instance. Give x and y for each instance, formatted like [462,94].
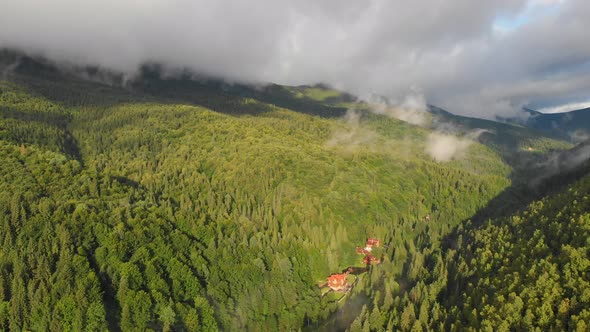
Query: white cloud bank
[448,49]
[565,108]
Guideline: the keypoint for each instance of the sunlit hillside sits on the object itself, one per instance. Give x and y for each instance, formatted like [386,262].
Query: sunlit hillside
[174,204]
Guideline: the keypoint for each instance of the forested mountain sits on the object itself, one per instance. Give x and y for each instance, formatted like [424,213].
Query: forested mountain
[161,203]
[523,272]
[519,146]
[572,125]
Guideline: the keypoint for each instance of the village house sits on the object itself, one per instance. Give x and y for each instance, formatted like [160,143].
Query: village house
[371,259]
[371,242]
[338,281]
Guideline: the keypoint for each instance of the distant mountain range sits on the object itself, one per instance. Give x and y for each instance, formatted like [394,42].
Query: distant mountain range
[573,126]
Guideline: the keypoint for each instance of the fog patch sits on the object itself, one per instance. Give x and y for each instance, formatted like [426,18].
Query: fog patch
[6,69]
[443,146]
[568,107]
[561,162]
[354,135]
[579,136]
[412,108]
[446,142]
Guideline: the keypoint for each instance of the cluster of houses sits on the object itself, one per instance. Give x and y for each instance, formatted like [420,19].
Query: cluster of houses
[369,257]
[339,281]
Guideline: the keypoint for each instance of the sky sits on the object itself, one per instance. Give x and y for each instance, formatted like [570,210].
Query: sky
[478,58]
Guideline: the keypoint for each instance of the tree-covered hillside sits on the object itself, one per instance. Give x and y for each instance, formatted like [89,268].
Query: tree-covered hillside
[573,125]
[526,272]
[174,204]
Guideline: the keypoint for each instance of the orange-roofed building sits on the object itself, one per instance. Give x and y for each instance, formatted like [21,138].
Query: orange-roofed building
[338,281]
[371,259]
[372,242]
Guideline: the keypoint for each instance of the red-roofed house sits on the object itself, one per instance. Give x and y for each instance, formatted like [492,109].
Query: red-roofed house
[371,259]
[372,242]
[338,281]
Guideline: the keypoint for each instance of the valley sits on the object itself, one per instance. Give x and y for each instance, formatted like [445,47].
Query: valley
[182,204]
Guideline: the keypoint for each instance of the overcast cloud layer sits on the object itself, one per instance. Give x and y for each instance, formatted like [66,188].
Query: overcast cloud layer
[480,58]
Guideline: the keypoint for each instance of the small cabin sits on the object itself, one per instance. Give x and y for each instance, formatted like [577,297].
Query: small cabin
[338,281]
[372,242]
[370,259]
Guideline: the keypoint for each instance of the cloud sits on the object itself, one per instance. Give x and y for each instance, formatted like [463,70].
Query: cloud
[560,163]
[353,134]
[448,49]
[9,67]
[411,109]
[443,147]
[446,142]
[565,108]
[579,136]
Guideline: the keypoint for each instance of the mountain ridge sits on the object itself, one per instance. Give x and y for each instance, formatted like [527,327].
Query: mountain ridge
[572,125]
[204,205]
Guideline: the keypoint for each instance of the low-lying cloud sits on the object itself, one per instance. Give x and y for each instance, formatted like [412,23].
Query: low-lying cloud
[560,163]
[444,143]
[565,108]
[412,108]
[445,147]
[453,51]
[354,134]
[5,69]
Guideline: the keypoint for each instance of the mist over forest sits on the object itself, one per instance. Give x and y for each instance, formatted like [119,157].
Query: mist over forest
[294,166]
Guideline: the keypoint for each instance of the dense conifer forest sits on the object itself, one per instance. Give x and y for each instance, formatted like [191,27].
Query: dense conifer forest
[193,205]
